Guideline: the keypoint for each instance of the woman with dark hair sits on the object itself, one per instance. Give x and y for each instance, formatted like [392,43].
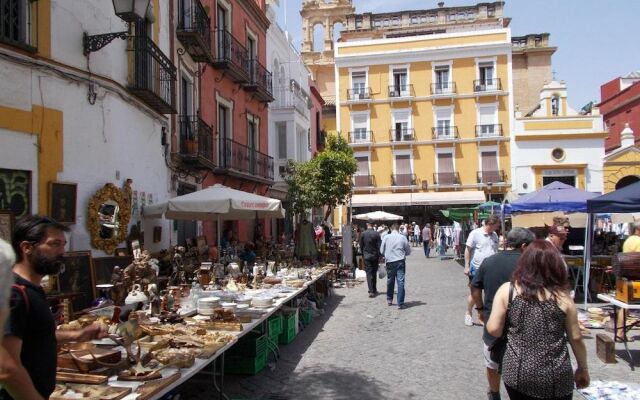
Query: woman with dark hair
[539,321]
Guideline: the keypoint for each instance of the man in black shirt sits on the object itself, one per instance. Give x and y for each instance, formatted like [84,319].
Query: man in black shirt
[370,246]
[493,272]
[30,336]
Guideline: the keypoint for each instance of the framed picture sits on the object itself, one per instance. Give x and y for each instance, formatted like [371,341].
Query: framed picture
[157,234]
[7,221]
[62,202]
[122,252]
[15,191]
[103,268]
[77,277]
[136,249]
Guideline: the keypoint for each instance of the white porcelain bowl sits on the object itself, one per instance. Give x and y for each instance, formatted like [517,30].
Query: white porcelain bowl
[229,306]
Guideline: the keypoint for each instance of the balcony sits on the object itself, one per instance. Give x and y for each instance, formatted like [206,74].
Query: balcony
[153,78]
[231,57]
[363,181]
[487,85]
[445,133]
[403,180]
[443,89]
[359,94]
[402,135]
[401,91]
[489,131]
[196,142]
[361,137]
[244,160]
[260,82]
[193,30]
[446,179]
[285,97]
[485,177]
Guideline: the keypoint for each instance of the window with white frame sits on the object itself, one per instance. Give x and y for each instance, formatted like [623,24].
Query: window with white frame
[281,129]
[360,127]
[444,127]
[401,129]
[442,79]
[359,85]
[445,169]
[403,170]
[399,82]
[362,177]
[488,121]
[486,74]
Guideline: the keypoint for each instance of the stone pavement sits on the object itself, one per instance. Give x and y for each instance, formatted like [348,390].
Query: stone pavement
[363,349]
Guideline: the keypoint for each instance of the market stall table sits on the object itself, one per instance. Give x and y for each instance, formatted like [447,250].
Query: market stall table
[625,328]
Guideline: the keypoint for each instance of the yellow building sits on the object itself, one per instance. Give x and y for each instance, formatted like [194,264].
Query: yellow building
[622,165]
[427,114]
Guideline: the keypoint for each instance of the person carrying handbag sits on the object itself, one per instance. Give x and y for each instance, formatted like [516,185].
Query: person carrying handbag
[542,320]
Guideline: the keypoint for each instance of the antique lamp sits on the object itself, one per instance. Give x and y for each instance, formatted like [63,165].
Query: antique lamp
[129,11]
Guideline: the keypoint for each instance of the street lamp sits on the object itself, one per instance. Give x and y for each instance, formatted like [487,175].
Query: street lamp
[129,11]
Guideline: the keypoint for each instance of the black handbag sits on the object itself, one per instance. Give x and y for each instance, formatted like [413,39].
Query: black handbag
[499,346]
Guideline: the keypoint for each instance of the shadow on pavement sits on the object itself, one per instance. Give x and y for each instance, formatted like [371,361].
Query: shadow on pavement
[410,304]
[624,357]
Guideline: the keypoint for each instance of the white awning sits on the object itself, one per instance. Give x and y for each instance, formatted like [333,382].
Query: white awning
[418,199]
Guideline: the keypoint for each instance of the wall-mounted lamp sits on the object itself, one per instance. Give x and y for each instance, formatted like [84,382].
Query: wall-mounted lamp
[128,11]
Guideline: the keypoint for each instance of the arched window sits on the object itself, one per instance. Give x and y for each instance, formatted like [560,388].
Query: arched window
[318,37]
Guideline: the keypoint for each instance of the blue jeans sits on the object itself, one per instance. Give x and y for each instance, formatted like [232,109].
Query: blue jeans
[395,269]
[427,247]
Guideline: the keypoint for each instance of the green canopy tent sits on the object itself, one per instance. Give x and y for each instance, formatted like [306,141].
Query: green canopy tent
[458,214]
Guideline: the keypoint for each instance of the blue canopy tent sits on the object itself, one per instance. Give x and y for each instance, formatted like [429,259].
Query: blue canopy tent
[625,200]
[556,196]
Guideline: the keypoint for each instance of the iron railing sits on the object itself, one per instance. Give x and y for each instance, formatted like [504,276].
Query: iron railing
[491,177]
[196,139]
[446,178]
[242,158]
[444,132]
[360,136]
[487,85]
[194,30]
[363,180]
[403,179]
[154,75]
[263,165]
[402,135]
[359,94]
[230,54]
[488,130]
[285,97]
[401,91]
[261,79]
[443,88]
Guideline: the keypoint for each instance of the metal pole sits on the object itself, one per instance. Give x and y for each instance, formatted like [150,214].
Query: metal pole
[588,237]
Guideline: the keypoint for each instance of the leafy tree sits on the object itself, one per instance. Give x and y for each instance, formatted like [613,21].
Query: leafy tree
[324,180]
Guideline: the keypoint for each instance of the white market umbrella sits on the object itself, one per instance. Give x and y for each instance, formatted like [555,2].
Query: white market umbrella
[217,202]
[378,216]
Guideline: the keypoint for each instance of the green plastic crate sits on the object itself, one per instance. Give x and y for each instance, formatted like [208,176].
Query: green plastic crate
[288,322]
[287,336]
[275,325]
[306,317]
[245,366]
[250,345]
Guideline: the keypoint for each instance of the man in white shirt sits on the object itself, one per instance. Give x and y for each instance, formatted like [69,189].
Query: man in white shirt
[481,243]
[395,249]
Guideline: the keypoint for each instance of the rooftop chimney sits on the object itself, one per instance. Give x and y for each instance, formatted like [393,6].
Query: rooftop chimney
[626,137]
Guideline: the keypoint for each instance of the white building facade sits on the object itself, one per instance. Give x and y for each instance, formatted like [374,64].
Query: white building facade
[556,143]
[86,118]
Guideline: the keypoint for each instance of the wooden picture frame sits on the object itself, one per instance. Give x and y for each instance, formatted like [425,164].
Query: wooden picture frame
[62,201]
[7,222]
[103,269]
[15,191]
[77,277]
[122,252]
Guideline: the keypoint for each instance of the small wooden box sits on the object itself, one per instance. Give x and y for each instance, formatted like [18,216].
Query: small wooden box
[628,291]
[605,348]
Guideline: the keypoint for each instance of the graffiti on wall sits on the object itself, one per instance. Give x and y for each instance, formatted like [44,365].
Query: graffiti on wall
[15,191]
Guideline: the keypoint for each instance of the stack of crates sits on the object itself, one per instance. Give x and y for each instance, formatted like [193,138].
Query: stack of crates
[289,327]
[306,317]
[248,356]
[274,327]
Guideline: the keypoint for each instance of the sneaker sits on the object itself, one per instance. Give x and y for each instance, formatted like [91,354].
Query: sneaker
[371,295]
[401,307]
[468,320]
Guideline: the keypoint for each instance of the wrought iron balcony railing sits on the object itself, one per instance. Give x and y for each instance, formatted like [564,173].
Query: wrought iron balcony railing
[154,76]
[263,165]
[359,93]
[196,141]
[403,179]
[488,130]
[487,85]
[242,158]
[401,91]
[443,88]
[402,135]
[230,56]
[446,178]
[361,136]
[444,133]
[260,81]
[285,97]
[194,30]
[491,176]
[360,181]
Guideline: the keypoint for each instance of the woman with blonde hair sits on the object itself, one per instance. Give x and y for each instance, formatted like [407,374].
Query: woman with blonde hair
[539,321]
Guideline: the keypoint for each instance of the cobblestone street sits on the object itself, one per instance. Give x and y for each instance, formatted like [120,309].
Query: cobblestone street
[363,349]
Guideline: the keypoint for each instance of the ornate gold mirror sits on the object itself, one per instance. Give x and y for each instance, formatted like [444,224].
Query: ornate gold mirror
[108,219]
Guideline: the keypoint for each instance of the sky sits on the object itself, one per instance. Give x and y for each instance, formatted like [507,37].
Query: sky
[596,40]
